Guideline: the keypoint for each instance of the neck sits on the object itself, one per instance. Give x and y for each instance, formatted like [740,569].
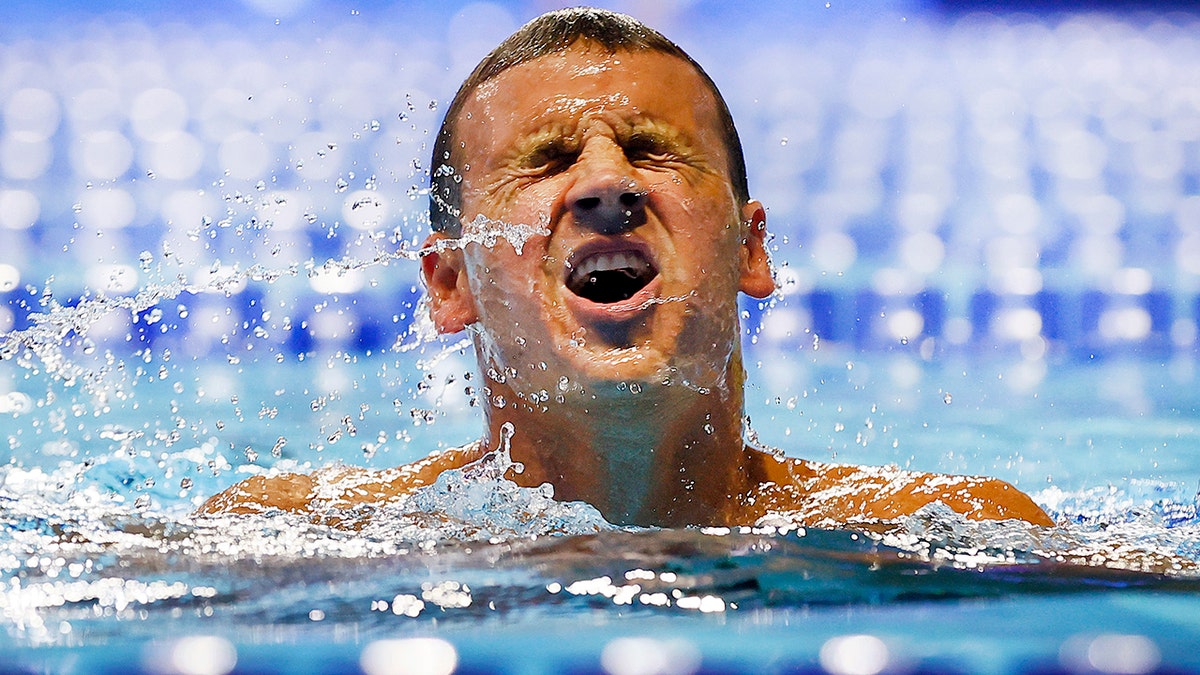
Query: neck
[646,454]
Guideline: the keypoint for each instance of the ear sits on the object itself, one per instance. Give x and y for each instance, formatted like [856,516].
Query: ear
[756,280]
[451,305]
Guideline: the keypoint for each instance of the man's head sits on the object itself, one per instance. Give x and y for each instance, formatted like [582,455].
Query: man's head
[621,159]
[547,34]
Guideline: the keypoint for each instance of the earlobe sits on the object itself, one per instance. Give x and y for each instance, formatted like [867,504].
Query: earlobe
[756,280]
[451,305]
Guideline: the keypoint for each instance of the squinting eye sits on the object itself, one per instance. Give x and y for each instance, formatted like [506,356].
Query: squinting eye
[551,158]
[646,149]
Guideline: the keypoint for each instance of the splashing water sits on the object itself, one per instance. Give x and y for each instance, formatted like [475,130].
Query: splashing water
[488,232]
[477,502]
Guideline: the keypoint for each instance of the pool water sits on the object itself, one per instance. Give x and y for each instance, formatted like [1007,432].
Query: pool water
[107,569]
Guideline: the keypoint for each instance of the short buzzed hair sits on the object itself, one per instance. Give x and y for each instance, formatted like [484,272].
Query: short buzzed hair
[551,33]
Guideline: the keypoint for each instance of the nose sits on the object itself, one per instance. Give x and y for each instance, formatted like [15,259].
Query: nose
[607,196]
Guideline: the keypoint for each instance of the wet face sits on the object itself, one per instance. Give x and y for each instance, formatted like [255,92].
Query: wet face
[618,161]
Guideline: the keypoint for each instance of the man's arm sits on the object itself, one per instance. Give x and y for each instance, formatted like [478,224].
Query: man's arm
[258,494]
[843,493]
[334,488]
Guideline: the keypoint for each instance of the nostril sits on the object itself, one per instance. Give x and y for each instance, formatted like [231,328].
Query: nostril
[587,203]
[630,199]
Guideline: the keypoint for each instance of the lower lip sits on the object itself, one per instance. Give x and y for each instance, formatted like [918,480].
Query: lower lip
[615,312]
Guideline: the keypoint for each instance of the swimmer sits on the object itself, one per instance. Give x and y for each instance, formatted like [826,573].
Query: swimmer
[609,341]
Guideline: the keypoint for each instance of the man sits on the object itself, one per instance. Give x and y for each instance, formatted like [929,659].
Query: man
[605,324]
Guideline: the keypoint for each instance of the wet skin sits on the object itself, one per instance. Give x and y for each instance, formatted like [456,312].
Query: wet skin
[610,342]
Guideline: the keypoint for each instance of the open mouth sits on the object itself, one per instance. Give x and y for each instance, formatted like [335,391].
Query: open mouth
[610,276]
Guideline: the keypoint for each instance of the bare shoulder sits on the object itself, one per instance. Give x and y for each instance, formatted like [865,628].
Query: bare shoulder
[844,493]
[335,487]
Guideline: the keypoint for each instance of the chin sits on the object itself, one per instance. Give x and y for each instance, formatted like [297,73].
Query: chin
[670,358]
[642,364]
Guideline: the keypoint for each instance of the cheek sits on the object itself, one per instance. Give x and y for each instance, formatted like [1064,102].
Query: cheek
[501,279]
[512,201]
[704,230]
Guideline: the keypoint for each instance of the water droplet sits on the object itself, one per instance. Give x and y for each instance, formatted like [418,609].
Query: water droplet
[341,185]
[947,398]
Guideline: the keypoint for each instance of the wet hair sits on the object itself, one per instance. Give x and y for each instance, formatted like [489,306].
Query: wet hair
[552,33]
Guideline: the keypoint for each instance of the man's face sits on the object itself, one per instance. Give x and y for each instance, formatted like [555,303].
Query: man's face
[619,160]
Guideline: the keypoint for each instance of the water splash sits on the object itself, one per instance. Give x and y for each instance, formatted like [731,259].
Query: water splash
[937,533]
[488,232]
[479,502]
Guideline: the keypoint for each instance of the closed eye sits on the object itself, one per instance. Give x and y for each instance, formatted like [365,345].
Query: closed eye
[550,157]
[649,148]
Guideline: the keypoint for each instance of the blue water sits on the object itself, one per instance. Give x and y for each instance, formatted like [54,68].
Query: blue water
[986,233]
[102,557]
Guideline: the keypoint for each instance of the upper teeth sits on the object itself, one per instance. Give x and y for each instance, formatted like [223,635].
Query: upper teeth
[607,262]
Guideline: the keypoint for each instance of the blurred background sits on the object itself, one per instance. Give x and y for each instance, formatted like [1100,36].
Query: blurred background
[1013,177]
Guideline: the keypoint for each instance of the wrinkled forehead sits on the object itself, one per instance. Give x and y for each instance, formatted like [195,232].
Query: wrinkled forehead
[564,88]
